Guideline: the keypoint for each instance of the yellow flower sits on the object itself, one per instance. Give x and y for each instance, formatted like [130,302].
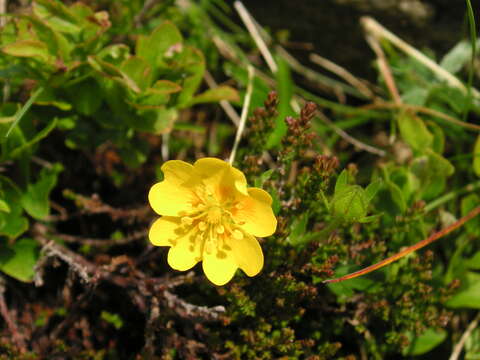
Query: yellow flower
[210,215]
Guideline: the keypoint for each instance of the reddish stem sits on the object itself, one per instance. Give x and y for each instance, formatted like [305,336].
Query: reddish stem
[409,249]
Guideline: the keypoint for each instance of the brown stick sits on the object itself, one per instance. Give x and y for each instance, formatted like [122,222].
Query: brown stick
[7,317]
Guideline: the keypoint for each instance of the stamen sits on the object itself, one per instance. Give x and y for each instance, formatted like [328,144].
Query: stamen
[186,220]
[237,234]
[202,226]
[220,229]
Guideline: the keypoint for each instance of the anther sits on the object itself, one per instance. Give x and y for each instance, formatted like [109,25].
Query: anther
[237,234]
[186,220]
[202,226]
[220,229]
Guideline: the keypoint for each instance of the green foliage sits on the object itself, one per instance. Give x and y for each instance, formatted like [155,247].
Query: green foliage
[97,94]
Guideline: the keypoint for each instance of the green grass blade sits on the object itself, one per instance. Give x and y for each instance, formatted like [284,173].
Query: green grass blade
[24,109]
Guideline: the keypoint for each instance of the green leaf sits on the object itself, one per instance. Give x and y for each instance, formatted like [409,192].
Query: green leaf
[160,45]
[57,16]
[57,44]
[259,181]
[439,166]
[4,206]
[285,93]
[298,230]
[156,121]
[342,181]
[111,71]
[423,343]
[139,71]
[86,97]
[414,131]
[438,144]
[415,96]
[12,223]
[38,136]
[474,262]
[28,48]
[215,95]
[345,289]
[156,96]
[350,203]
[457,57]
[113,319]
[392,199]
[49,98]
[191,63]
[469,203]
[18,260]
[35,200]
[476,157]
[372,189]
[468,294]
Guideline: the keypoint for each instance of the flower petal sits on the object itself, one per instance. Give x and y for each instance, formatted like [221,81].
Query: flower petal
[165,231]
[255,211]
[185,254]
[221,177]
[171,197]
[219,267]
[248,254]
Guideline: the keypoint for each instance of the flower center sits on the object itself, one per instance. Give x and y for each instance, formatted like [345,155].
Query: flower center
[214,215]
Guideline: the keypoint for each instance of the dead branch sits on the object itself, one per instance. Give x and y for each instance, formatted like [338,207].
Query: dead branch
[7,317]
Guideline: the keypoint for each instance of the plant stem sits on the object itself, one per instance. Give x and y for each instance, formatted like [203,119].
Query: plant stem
[409,249]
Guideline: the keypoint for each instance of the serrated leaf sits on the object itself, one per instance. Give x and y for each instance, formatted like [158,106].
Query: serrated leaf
[35,200]
[414,131]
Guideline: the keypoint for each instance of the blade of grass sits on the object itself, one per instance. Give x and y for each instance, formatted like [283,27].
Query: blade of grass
[24,109]
[243,116]
[473,41]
